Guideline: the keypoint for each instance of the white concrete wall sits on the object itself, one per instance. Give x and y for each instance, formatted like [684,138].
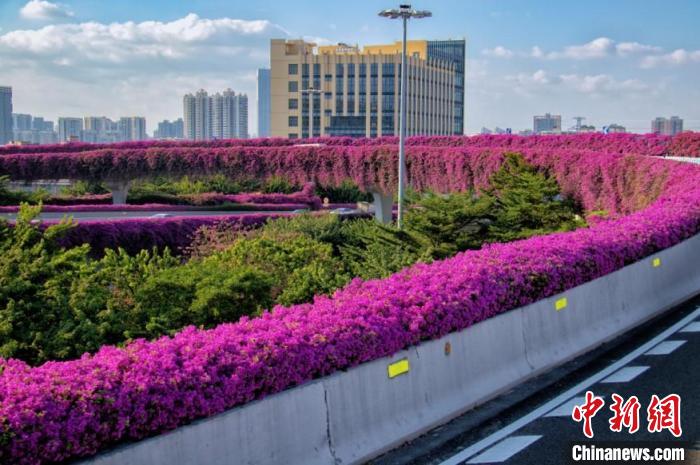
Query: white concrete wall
[352,416]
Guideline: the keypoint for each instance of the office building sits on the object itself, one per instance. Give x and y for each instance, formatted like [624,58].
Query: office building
[5,115]
[220,116]
[27,129]
[170,130]
[343,90]
[21,122]
[132,128]
[70,129]
[547,124]
[667,126]
[264,102]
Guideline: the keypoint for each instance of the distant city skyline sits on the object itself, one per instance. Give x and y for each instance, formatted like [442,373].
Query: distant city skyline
[624,61]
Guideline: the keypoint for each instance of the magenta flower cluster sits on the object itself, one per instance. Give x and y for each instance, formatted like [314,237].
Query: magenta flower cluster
[365,161]
[641,144]
[64,410]
[135,234]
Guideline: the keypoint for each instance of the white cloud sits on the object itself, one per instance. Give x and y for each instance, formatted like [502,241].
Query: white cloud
[629,48]
[44,10]
[498,52]
[677,57]
[131,67]
[601,47]
[597,48]
[540,81]
[120,42]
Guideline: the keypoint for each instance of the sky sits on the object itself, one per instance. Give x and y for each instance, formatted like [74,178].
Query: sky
[623,62]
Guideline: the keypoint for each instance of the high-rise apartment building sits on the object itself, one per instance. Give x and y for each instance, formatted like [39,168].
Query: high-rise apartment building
[547,124]
[667,126]
[197,116]
[264,102]
[343,90]
[21,122]
[170,130]
[132,128]
[5,115]
[70,129]
[220,116]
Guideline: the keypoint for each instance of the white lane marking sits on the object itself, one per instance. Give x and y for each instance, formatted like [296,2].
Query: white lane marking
[543,409]
[692,328]
[565,409]
[625,375]
[504,449]
[665,348]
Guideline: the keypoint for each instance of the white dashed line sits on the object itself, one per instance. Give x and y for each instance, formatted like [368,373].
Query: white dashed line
[504,449]
[692,328]
[565,409]
[506,431]
[665,348]
[625,375]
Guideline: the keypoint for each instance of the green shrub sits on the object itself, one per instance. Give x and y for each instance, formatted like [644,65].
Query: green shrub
[298,266]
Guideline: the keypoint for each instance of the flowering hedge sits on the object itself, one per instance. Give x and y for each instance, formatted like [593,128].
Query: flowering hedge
[63,410]
[641,144]
[135,234]
[161,207]
[366,161]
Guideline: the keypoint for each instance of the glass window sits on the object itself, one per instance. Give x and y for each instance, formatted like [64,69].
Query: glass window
[293,103]
[293,86]
[293,68]
[305,70]
[339,69]
[317,70]
[293,121]
[293,135]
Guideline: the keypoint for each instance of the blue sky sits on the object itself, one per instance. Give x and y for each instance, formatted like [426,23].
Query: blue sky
[624,61]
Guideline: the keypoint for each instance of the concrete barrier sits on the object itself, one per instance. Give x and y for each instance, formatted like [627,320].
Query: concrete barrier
[350,417]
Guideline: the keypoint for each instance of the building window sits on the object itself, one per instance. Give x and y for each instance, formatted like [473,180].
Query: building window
[293,121]
[293,86]
[293,135]
[328,77]
[305,70]
[317,70]
[293,103]
[293,68]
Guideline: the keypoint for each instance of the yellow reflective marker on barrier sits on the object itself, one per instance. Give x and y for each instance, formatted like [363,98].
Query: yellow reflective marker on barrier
[398,368]
[656,262]
[561,304]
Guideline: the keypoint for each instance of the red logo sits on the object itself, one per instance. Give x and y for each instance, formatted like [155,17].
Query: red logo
[665,414]
[662,414]
[587,411]
[625,414]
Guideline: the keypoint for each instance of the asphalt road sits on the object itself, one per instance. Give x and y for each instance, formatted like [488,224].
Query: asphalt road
[532,424]
[114,215]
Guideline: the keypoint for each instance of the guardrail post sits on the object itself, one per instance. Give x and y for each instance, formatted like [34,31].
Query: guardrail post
[383,207]
[119,189]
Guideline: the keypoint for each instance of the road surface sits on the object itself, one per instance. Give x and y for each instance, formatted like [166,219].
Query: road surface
[532,424]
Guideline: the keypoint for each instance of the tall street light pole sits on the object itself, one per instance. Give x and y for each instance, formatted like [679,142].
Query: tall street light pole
[405,12]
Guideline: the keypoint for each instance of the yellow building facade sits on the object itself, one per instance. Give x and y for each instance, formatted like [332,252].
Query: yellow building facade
[345,90]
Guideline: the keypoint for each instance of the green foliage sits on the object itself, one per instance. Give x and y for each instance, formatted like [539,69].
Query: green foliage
[199,293]
[58,304]
[527,203]
[34,276]
[347,192]
[11,197]
[298,266]
[278,184]
[451,223]
[79,188]
[376,251]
